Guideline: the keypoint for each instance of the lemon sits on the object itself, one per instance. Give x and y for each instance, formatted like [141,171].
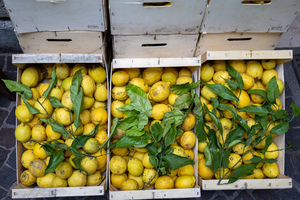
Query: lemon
[280,85]
[139,82]
[260,164]
[114,109]
[64,170]
[39,152]
[138,179]
[88,102]
[52,135]
[272,152]
[47,69]
[160,91]
[220,76]
[222,172]
[247,157]
[97,72]
[94,179]
[30,76]
[172,98]
[179,151]
[66,83]
[101,136]
[206,93]
[135,166]
[173,70]
[240,148]
[185,72]
[38,133]
[44,107]
[219,65]
[37,167]
[121,151]
[99,116]
[187,170]
[138,155]
[185,182]
[204,171]
[146,161]
[183,80]
[76,67]
[77,179]
[258,174]
[27,157]
[23,132]
[119,93]
[238,65]
[254,69]
[27,178]
[270,170]
[89,164]
[248,81]
[91,146]
[189,122]
[267,75]
[29,144]
[256,98]
[244,99]
[152,75]
[43,87]
[227,113]
[148,175]
[35,96]
[59,182]
[169,77]
[57,92]
[45,181]
[235,160]
[22,114]
[120,78]
[201,146]
[277,106]
[207,72]
[88,85]
[188,140]
[164,182]
[62,70]
[210,108]
[118,179]
[117,165]
[101,158]
[64,117]
[268,64]
[85,117]
[200,156]
[119,134]
[100,92]
[132,72]
[159,110]
[129,184]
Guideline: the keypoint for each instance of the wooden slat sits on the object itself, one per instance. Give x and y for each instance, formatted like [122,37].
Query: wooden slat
[132,17]
[57,15]
[234,16]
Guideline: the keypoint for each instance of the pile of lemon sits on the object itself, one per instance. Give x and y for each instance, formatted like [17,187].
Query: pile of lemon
[32,132]
[130,167]
[256,75]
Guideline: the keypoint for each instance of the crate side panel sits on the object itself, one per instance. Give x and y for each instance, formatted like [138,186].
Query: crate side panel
[56,15]
[128,17]
[236,41]
[151,46]
[275,16]
[83,42]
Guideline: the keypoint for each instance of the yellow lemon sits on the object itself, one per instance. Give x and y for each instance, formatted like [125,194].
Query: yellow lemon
[207,72]
[44,106]
[62,70]
[37,167]
[152,75]
[119,93]
[139,82]
[185,72]
[270,170]
[248,81]
[238,65]
[169,77]
[268,74]
[117,165]
[268,64]
[30,76]
[64,117]
[129,184]
[118,179]
[132,72]
[101,158]
[77,179]
[219,65]
[188,140]
[45,181]
[254,69]
[235,160]
[159,110]
[97,72]
[160,91]
[99,116]
[100,92]
[185,182]
[23,132]
[114,109]
[120,78]
[220,76]
[164,182]
[272,152]
[22,114]
[204,171]
[27,178]
[88,85]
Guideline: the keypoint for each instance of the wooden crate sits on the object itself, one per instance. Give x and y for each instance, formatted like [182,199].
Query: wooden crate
[82,42]
[281,181]
[153,46]
[236,41]
[137,17]
[241,16]
[22,191]
[57,15]
[193,64]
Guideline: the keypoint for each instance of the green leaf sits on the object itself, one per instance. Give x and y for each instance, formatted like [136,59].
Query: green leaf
[171,136]
[269,141]
[143,121]
[175,116]
[30,108]
[126,107]
[272,90]
[215,102]
[234,134]
[296,109]
[198,111]
[258,159]
[242,171]
[222,91]
[75,152]
[139,99]
[133,141]
[52,83]
[56,127]
[176,162]
[76,82]
[208,156]
[232,84]
[78,107]
[181,89]
[259,92]
[152,148]
[153,160]
[216,154]
[167,128]
[134,131]
[280,128]
[264,121]
[199,130]
[157,130]
[55,102]
[128,123]
[243,123]
[14,86]
[215,119]
[49,148]
[80,140]
[113,131]
[77,161]
[225,158]
[281,114]
[227,107]
[62,146]
[234,142]
[258,110]
[183,101]
[55,159]
[168,150]
[235,74]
